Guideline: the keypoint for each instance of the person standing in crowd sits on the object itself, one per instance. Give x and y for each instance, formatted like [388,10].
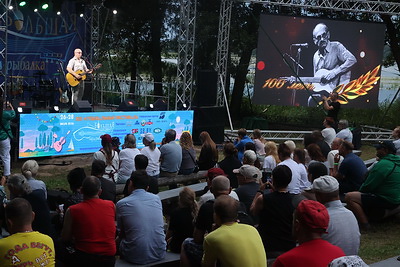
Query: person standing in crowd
[230,162]
[208,154]
[232,244]
[141,241]
[328,132]
[188,154]
[310,222]
[19,217]
[259,142]
[332,106]
[181,220]
[127,158]
[343,229]
[275,211]
[30,169]
[153,155]
[110,158]
[171,155]
[91,227]
[344,131]
[77,64]
[272,158]
[396,142]
[381,188]
[241,141]
[6,137]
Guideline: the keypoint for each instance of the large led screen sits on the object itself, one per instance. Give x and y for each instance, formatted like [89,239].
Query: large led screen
[300,60]
[56,134]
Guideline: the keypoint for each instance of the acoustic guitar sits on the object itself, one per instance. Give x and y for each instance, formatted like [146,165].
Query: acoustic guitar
[82,76]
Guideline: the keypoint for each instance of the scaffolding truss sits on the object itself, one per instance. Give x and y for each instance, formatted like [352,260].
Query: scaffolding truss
[186,37]
[3,46]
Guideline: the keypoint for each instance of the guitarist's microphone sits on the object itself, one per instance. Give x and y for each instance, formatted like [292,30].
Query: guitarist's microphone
[305,45]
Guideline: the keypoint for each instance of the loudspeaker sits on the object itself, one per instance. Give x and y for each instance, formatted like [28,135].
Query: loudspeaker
[160,105]
[81,106]
[127,105]
[211,120]
[88,92]
[26,106]
[206,88]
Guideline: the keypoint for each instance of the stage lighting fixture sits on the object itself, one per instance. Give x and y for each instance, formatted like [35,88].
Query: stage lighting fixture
[54,109]
[151,106]
[22,3]
[45,6]
[10,7]
[115,12]
[19,109]
[24,107]
[58,13]
[35,10]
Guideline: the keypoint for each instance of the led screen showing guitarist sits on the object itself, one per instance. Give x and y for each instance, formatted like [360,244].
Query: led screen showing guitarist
[75,66]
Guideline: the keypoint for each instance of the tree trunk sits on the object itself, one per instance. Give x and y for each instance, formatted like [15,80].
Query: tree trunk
[240,81]
[156,26]
[134,65]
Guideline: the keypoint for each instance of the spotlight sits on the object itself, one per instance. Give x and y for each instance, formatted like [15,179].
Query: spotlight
[10,7]
[58,13]
[35,10]
[81,15]
[22,3]
[20,110]
[45,6]
[54,109]
[151,106]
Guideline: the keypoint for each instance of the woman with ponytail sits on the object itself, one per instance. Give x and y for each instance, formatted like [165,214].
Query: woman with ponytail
[110,158]
[30,169]
[181,220]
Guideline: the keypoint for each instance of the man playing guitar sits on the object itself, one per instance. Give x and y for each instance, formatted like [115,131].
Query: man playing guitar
[77,64]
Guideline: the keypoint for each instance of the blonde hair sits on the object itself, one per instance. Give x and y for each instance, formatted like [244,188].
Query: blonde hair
[187,199]
[30,168]
[186,141]
[271,149]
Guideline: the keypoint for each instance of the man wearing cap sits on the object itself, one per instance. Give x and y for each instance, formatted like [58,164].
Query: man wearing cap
[380,191]
[232,244]
[248,177]
[352,170]
[343,229]
[311,219]
[171,156]
[211,173]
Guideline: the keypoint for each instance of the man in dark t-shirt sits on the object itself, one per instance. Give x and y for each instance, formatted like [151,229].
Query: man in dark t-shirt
[333,107]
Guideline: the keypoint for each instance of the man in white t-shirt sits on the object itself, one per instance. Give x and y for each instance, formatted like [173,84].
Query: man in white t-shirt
[344,132]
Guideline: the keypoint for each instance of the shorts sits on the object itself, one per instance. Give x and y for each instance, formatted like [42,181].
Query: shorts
[375,206]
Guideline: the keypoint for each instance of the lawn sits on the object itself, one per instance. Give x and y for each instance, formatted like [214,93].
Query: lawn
[378,245]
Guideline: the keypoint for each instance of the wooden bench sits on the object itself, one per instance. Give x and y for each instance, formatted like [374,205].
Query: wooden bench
[170,260]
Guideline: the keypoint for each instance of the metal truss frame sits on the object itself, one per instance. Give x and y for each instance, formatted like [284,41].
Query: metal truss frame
[4,4]
[362,6]
[186,37]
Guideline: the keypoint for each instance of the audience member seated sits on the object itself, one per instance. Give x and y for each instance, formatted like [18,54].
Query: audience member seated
[250,155]
[192,248]
[24,246]
[30,169]
[351,172]
[208,154]
[299,155]
[211,174]
[311,220]
[89,227]
[153,155]
[271,156]
[319,140]
[108,191]
[171,156]
[396,142]
[316,155]
[328,132]
[115,144]
[181,220]
[380,191]
[275,211]
[229,163]
[232,244]
[336,143]
[299,180]
[291,145]
[315,170]
[259,143]
[344,261]
[248,178]
[127,159]
[141,241]
[241,141]
[19,187]
[343,229]
[110,158]
[141,163]
[188,154]
[75,179]
[344,131]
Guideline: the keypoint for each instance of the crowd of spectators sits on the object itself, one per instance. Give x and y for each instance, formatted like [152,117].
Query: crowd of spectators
[262,201]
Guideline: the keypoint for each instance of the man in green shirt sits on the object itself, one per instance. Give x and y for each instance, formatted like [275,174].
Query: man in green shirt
[380,190]
[5,137]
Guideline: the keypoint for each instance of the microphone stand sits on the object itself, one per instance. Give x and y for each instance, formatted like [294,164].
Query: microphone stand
[297,66]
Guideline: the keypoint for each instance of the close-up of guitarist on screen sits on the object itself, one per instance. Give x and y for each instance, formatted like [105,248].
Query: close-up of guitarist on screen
[332,63]
[77,70]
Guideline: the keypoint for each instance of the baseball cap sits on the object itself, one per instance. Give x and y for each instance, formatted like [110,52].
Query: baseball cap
[148,136]
[214,172]
[106,138]
[313,215]
[249,172]
[386,144]
[325,184]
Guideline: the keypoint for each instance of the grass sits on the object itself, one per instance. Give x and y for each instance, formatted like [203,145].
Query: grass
[375,246]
